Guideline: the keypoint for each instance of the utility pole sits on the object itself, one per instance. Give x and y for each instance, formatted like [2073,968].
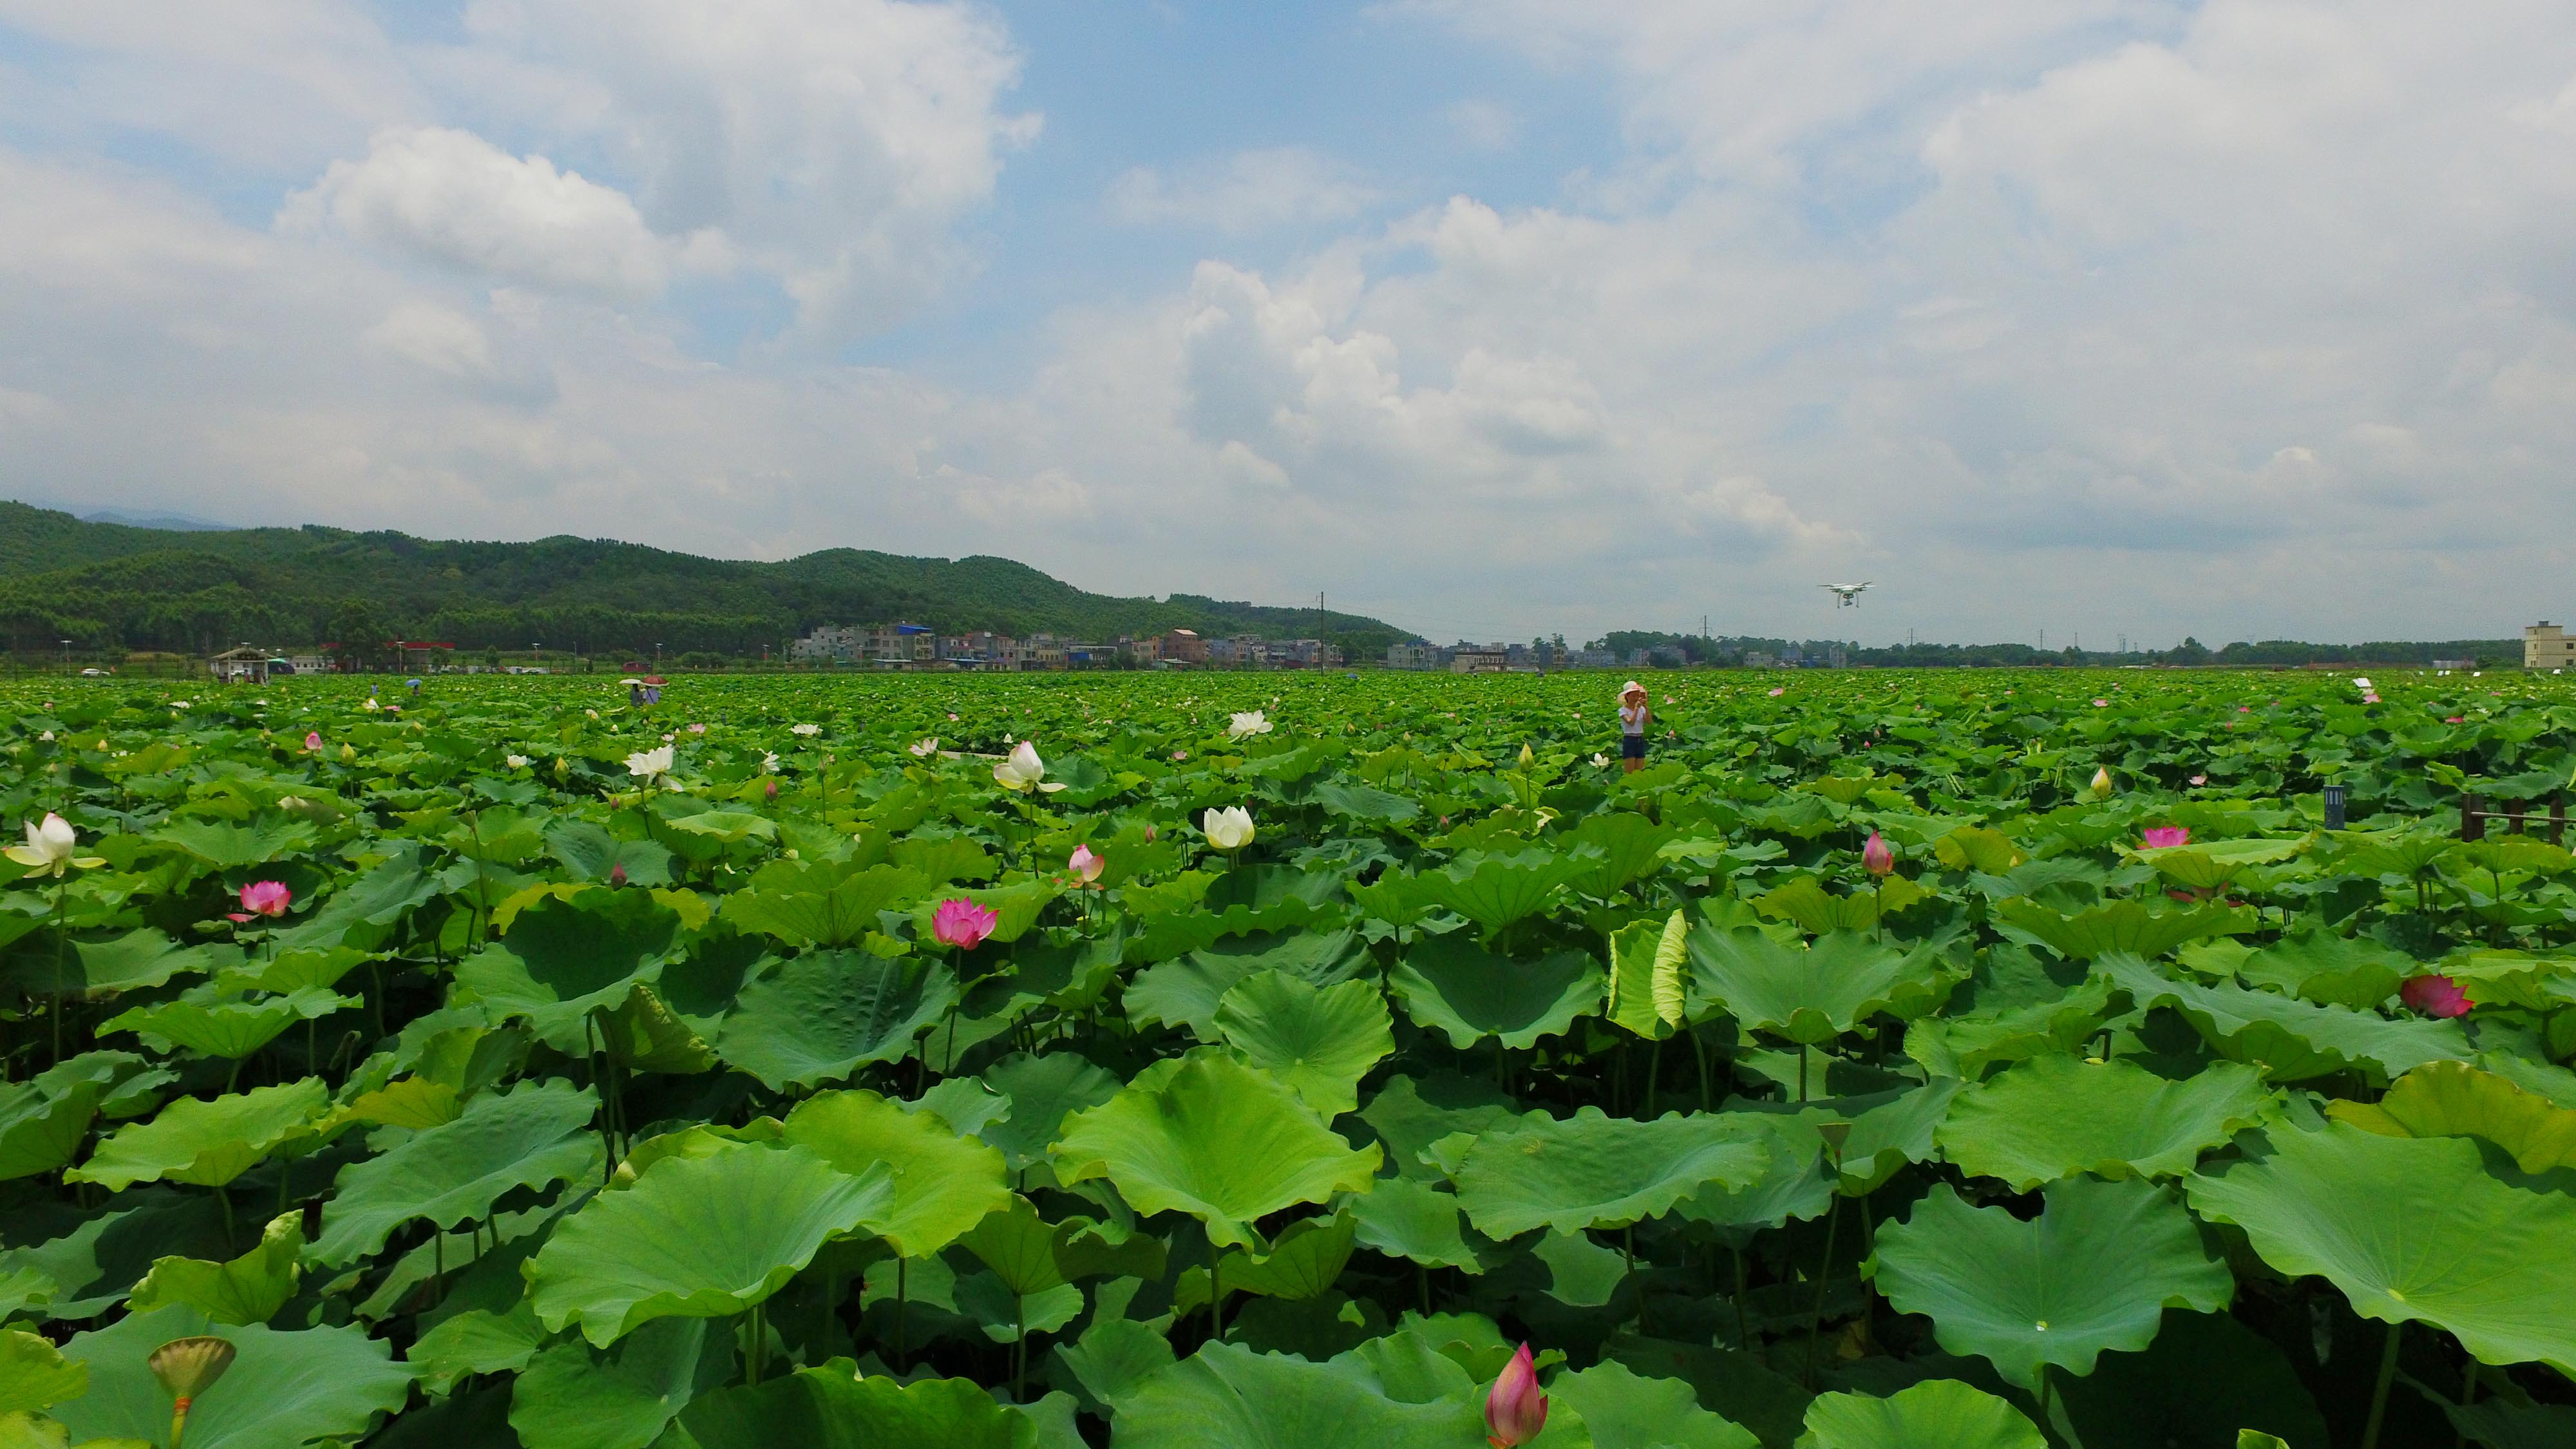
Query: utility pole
[1319,629]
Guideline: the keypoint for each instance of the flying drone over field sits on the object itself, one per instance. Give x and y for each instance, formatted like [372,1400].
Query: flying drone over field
[1845,595]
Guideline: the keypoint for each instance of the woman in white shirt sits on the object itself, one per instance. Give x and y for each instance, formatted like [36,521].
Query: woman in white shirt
[1633,716]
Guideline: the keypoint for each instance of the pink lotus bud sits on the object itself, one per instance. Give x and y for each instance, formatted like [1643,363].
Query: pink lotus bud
[1875,854]
[1085,864]
[1149,834]
[771,791]
[266,898]
[1515,1411]
[2165,837]
[313,740]
[616,876]
[962,924]
[2434,995]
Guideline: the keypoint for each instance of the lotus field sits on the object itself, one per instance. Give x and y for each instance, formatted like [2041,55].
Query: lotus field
[1973,1060]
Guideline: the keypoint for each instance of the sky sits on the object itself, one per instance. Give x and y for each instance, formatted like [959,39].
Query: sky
[1494,318]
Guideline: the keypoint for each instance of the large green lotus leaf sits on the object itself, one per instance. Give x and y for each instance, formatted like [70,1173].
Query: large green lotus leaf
[574,1396]
[1499,889]
[1649,967]
[1226,1394]
[1042,1091]
[831,1408]
[1594,1170]
[1319,1040]
[822,1015]
[2053,1117]
[221,845]
[1817,993]
[34,1374]
[479,1341]
[1625,1411]
[2095,1270]
[943,1184]
[208,1143]
[2205,1378]
[1794,1181]
[135,961]
[1451,985]
[2512,978]
[588,853]
[229,1029]
[2124,926]
[532,1135]
[565,957]
[1216,1139]
[1970,1044]
[2454,1099]
[1362,802]
[2501,1424]
[1403,1218]
[1303,1261]
[41,1130]
[827,912]
[1630,845]
[701,1237]
[1015,907]
[284,1388]
[364,912]
[247,1289]
[1115,1356]
[1410,1116]
[2412,1228]
[1934,1414]
[2291,1040]
[2328,969]
[1185,991]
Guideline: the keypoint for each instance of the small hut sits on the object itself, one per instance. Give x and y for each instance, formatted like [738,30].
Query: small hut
[243,665]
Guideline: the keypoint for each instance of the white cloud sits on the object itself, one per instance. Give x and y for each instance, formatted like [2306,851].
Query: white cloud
[444,341]
[1483,124]
[452,197]
[1249,192]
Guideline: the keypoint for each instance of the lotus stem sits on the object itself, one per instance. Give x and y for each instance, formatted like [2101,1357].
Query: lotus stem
[2468,1395]
[1802,1071]
[1824,1278]
[902,1346]
[2379,1391]
[1216,1297]
[757,1358]
[61,938]
[1654,1075]
[179,1422]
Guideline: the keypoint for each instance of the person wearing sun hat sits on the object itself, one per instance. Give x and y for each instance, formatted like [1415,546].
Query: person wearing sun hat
[1633,716]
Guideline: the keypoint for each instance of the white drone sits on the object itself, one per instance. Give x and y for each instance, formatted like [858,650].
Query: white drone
[1845,595]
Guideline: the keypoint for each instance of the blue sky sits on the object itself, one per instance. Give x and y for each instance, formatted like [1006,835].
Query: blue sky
[2238,318]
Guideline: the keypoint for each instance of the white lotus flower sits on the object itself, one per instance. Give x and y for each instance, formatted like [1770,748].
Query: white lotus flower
[1228,829]
[1024,771]
[1600,761]
[518,762]
[925,747]
[769,761]
[1247,723]
[47,737]
[808,730]
[48,850]
[649,765]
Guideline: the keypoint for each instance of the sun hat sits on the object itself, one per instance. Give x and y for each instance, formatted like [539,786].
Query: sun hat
[1631,687]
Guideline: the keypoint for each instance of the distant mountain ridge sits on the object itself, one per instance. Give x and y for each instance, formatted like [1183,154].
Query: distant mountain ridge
[107,584]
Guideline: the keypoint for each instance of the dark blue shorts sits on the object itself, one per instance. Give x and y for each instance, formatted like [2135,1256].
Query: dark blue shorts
[1632,747]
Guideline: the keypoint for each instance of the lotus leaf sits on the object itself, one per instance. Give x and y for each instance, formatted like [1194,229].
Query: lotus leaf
[574,1396]
[2054,1117]
[1403,1218]
[284,1388]
[1042,1091]
[943,1184]
[1228,1394]
[564,959]
[208,1143]
[1623,1411]
[2095,1270]
[530,1136]
[2411,1228]
[35,1375]
[228,1029]
[248,1289]
[41,1130]
[698,1238]
[1319,1040]
[1814,994]
[2454,1099]
[827,1408]
[2205,1378]
[820,1016]
[2122,926]
[2290,1040]
[1216,1139]
[1593,1170]
[1941,1412]
[1450,985]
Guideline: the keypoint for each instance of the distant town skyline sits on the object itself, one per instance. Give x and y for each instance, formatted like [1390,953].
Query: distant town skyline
[2232,318]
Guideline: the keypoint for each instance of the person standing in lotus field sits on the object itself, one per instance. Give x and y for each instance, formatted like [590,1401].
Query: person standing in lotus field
[1633,716]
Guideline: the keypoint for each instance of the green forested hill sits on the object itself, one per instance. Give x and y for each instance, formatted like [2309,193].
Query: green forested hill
[107,585]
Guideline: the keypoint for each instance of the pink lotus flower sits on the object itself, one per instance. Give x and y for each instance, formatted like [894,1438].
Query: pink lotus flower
[2165,837]
[313,740]
[1875,854]
[1515,1410]
[266,898]
[2434,995]
[2101,704]
[2456,719]
[962,924]
[2370,699]
[1775,694]
[2200,779]
[1085,864]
